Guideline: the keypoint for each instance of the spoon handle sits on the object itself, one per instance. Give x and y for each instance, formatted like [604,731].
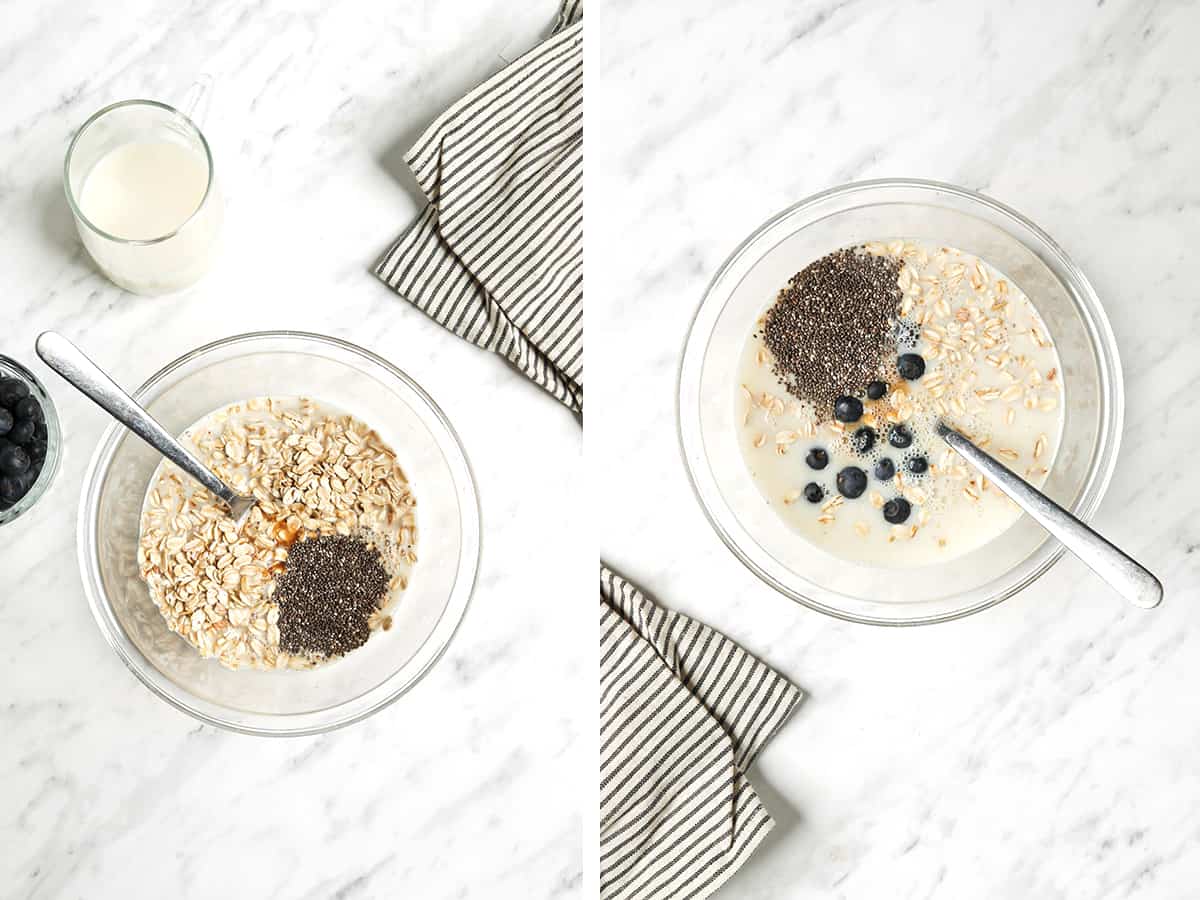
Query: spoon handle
[1130,579]
[70,362]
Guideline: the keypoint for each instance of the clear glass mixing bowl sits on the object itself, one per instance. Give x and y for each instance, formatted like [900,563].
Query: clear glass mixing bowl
[940,214]
[424,618]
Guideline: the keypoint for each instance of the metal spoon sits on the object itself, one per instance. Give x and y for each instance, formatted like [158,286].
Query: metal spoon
[70,362]
[1124,574]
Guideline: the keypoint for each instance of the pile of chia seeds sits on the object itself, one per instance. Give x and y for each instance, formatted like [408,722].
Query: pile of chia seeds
[331,586]
[832,329]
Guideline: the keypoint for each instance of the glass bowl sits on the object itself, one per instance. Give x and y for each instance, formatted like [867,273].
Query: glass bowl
[425,617]
[741,289]
[12,368]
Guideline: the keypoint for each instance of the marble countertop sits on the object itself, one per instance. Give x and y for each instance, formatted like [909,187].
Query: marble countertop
[464,787]
[1048,747]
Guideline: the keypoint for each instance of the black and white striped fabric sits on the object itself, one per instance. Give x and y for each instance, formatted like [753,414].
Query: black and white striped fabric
[497,255]
[684,711]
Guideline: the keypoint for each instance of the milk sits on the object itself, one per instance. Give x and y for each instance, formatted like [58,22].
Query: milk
[1011,400]
[144,190]
[152,199]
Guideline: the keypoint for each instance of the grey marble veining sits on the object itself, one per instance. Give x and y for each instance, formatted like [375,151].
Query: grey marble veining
[1045,748]
[463,788]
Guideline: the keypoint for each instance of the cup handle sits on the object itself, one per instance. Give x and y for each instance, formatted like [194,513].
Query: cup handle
[195,103]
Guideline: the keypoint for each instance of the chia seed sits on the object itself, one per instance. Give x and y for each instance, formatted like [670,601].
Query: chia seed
[832,329]
[327,593]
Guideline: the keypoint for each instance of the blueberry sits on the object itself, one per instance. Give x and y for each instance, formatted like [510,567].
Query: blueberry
[40,432]
[918,465]
[847,409]
[911,366]
[13,460]
[37,451]
[22,432]
[885,469]
[28,408]
[12,489]
[863,439]
[12,391]
[896,511]
[876,390]
[899,436]
[851,482]
[817,458]
[6,420]
[813,492]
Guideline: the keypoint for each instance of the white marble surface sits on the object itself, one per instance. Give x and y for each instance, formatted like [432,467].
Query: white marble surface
[1047,748]
[463,788]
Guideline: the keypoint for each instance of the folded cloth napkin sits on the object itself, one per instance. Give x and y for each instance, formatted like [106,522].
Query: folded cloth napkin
[497,255]
[684,711]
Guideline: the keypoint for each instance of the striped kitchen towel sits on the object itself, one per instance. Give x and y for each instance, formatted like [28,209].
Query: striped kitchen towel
[497,255]
[684,711]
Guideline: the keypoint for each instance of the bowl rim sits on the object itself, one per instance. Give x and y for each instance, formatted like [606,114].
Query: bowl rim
[252,723]
[1087,303]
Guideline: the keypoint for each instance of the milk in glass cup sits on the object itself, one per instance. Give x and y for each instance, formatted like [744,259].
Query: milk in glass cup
[140,182]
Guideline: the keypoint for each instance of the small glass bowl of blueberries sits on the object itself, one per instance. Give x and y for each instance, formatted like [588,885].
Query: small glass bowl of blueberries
[29,439]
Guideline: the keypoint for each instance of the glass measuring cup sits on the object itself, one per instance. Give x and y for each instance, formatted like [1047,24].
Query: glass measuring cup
[173,253]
